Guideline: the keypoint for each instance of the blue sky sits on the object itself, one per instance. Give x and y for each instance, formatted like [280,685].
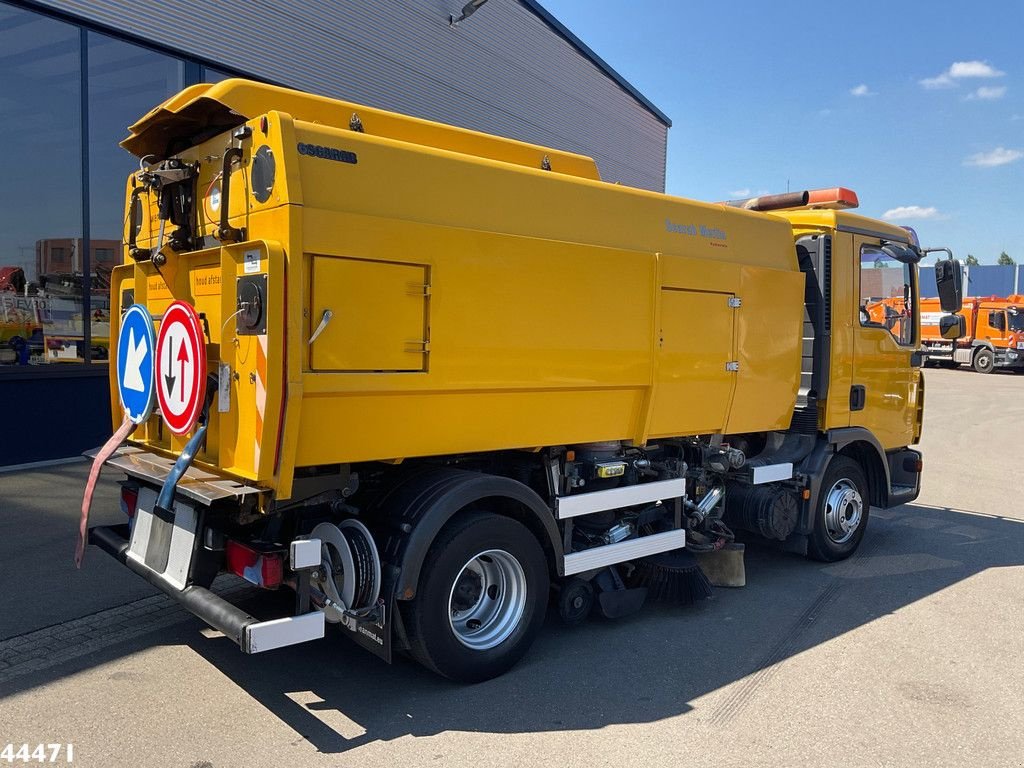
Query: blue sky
[917,106]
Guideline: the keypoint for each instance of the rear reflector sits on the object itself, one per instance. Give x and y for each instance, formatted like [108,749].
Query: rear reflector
[264,569]
[129,500]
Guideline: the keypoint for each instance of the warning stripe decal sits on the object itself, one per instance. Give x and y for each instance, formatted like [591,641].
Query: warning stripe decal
[261,397]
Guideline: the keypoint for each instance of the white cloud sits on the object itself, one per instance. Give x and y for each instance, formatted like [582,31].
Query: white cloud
[959,70]
[988,93]
[974,69]
[743,194]
[998,156]
[861,90]
[934,83]
[905,212]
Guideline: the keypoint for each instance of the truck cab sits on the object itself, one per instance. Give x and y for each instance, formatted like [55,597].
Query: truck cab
[873,379]
[999,335]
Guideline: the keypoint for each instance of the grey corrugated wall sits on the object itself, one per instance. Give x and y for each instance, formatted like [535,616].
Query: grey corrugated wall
[504,70]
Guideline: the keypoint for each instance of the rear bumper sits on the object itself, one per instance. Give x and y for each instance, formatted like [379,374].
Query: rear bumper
[1010,358]
[248,632]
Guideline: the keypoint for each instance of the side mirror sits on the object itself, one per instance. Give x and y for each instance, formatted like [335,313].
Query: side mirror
[952,326]
[949,282]
[905,254]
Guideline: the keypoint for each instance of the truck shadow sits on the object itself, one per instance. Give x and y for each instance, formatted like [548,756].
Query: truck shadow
[655,665]
[665,661]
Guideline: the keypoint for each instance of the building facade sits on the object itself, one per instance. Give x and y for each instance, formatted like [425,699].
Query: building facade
[981,280]
[66,255]
[75,73]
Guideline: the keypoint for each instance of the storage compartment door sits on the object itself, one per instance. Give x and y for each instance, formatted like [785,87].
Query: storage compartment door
[379,315]
[693,385]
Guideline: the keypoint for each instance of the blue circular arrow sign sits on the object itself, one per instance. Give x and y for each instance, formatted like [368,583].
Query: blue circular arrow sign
[136,346]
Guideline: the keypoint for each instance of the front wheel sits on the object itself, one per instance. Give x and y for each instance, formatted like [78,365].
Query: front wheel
[984,360]
[481,599]
[842,510]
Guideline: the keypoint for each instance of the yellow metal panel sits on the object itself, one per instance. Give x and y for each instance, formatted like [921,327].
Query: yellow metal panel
[693,386]
[890,385]
[505,312]
[379,320]
[769,357]
[831,220]
[396,181]
[206,103]
[122,280]
[844,315]
[438,423]
[244,440]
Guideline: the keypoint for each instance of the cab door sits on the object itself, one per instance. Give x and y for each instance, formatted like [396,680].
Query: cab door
[992,327]
[885,385]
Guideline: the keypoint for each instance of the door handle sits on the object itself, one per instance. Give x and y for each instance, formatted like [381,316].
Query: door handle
[858,397]
[324,320]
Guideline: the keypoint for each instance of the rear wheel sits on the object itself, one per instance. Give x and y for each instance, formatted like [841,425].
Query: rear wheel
[842,511]
[984,360]
[481,598]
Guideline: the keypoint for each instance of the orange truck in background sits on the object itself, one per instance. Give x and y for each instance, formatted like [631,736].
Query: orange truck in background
[994,337]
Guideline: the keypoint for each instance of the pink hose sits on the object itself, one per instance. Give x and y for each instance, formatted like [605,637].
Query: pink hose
[126,428]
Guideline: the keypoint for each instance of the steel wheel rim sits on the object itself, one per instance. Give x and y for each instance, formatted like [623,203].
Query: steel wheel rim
[487,599]
[844,511]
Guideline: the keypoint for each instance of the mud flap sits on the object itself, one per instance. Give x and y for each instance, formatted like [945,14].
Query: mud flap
[374,632]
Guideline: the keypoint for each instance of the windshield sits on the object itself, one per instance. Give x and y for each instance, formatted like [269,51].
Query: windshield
[1016,320]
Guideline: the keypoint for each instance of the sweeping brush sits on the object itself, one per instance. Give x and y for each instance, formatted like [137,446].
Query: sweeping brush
[672,576]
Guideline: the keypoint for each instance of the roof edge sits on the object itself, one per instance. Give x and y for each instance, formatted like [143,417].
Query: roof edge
[587,51]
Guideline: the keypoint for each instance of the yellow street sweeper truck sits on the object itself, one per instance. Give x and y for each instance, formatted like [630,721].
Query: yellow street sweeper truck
[428,379]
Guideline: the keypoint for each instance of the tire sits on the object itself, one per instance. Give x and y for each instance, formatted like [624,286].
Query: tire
[844,495]
[470,620]
[984,360]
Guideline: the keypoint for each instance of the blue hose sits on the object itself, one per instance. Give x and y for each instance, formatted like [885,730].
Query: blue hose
[188,454]
[166,498]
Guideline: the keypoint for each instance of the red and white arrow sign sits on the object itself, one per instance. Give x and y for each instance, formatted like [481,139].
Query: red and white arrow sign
[181,367]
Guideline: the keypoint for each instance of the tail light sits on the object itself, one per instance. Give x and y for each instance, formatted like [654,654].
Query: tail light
[129,500]
[264,569]
[913,465]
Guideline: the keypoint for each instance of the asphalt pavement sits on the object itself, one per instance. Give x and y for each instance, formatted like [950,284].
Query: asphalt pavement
[911,653]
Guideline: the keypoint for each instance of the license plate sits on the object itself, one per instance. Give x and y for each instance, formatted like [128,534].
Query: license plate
[164,541]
